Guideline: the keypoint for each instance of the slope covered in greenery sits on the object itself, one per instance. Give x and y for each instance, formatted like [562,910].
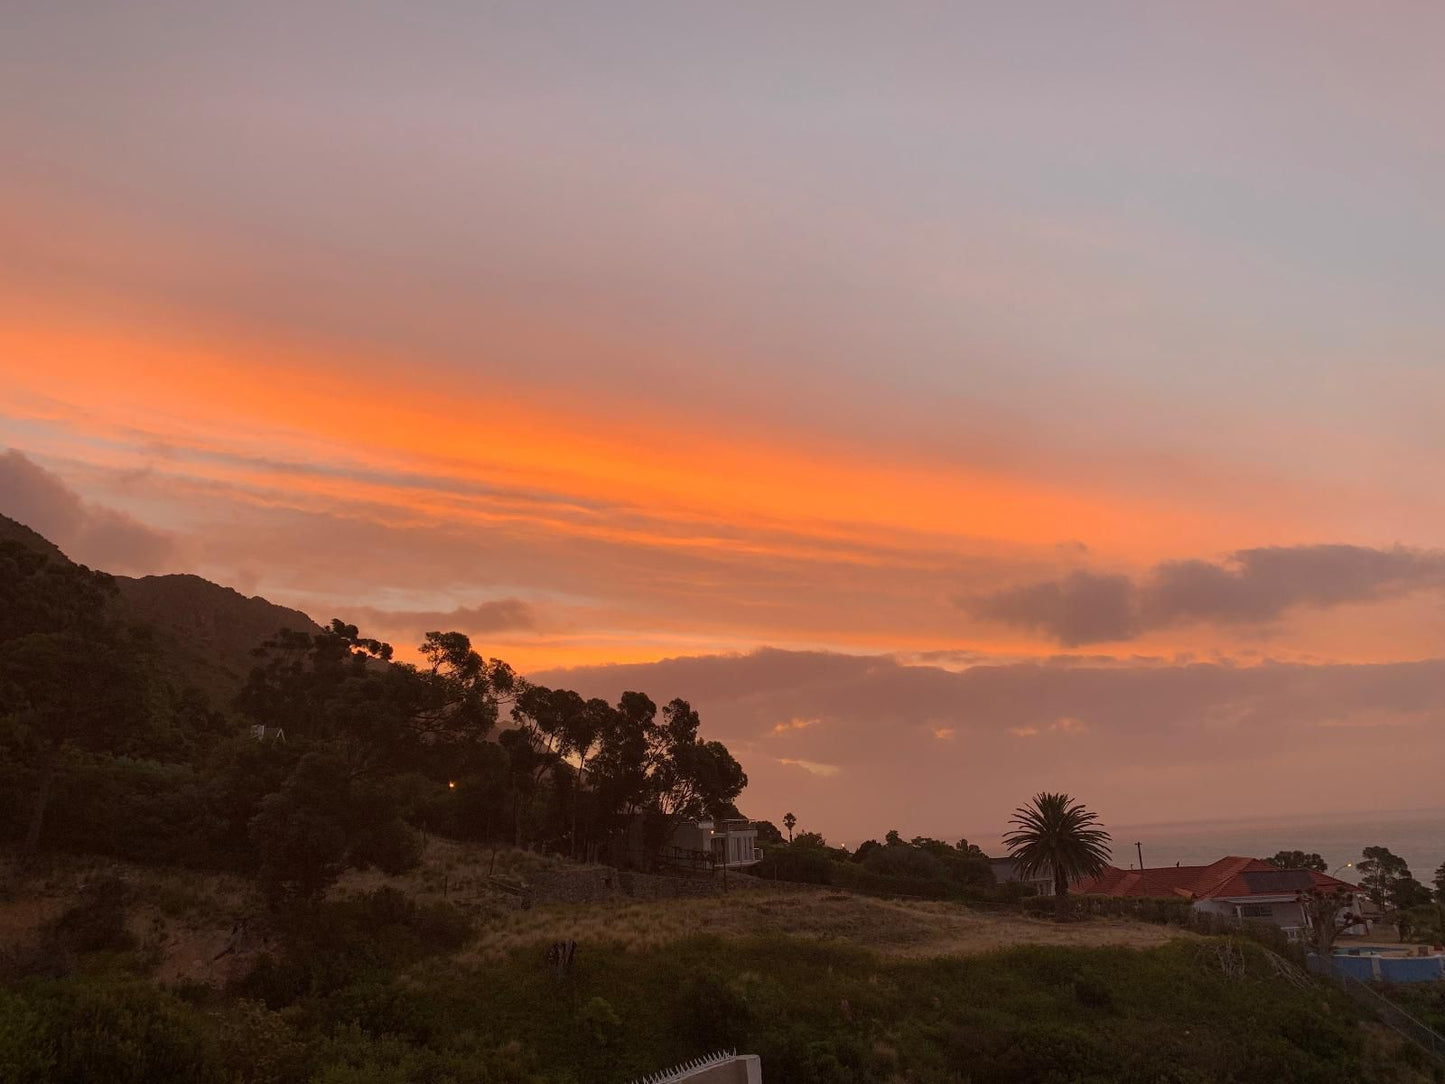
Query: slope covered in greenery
[208,633]
[205,632]
[381,989]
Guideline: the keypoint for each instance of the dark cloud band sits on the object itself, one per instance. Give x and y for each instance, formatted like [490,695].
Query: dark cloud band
[89,533]
[1253,586]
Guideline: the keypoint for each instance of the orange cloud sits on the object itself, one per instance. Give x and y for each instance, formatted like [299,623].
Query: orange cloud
[795,724]
[665,533]
[356,419]
[812,767]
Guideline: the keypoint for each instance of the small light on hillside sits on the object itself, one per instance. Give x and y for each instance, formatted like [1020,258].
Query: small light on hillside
[452,785]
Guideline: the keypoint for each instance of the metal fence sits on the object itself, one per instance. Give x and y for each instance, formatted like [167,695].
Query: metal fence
[1390,1014]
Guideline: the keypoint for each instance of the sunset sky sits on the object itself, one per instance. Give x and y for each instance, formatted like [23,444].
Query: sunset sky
[952,401]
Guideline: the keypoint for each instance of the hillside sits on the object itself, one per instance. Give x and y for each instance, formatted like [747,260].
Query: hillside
[206,631]
[11,531]
[435,976]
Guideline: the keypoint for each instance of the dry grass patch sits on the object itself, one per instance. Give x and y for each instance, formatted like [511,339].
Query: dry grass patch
[456,872]
[894,927]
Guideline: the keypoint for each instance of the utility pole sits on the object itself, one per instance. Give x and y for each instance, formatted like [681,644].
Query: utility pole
[1140,848]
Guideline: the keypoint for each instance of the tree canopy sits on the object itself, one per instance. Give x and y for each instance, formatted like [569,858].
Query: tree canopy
[1299,860]
[334,753]
[1386,879]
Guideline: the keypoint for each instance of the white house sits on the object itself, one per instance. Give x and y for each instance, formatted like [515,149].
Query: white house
[733,844]
[1005,872]
[702,844]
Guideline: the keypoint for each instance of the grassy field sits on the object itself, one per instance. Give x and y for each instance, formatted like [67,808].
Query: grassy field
[890,927]
[444,981]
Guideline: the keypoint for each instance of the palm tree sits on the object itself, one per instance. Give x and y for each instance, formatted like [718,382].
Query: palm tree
[788,821]
[1057,835]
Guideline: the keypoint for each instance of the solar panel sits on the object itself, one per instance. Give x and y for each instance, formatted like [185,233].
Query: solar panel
[1270,881]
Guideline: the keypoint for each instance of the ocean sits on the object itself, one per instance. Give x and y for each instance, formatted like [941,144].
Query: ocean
[1418,836]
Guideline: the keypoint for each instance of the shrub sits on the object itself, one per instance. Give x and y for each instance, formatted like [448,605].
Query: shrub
[861,879]
[390,846]
[127,1033]
[25,1052]
[808,865]
[359,938]
[1091,992]
[600,1021]
[1175,911]
[712,1014]
[903,861]
[98,922]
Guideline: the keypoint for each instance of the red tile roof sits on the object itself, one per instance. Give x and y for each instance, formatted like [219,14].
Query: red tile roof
[1224,878]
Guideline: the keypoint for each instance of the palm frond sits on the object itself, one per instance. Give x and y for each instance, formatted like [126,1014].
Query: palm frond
[1057,836]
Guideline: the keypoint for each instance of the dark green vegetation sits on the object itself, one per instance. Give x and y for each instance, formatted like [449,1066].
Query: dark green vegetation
[369,996]
[1387,880]
[1425,1001]
[921,866]
[1299,860]
[330,755]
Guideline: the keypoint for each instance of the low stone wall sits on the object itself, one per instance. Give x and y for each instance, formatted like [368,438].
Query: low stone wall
[582,884]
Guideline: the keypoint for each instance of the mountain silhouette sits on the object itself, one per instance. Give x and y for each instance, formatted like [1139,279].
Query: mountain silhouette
[205,632]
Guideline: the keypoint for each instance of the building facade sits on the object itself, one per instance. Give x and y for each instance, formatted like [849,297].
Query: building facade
[1236,889]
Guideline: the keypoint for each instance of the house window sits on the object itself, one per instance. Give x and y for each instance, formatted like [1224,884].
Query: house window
[1256,910]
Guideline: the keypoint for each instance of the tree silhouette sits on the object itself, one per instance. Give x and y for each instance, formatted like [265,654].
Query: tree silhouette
[690,777]
[1330,912]
[790,821]
[1058,836]
[74,679]
[1299,860]
[1380,870]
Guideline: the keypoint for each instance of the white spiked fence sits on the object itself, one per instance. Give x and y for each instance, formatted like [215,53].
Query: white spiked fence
[689,1069]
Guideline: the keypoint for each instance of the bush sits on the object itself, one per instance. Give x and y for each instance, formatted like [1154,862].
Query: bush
[808,865]
[1169,910]
[357,939]
[390,846]
[134,809]
[25,1052]
[860,879]
[904,862]
[128,1033]
[600,1021]
[98,922]
[712,1014]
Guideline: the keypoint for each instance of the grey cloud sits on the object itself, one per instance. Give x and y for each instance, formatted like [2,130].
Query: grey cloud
[1260,584]
[498,615]
[1081,608]
[1142,743]
[1252,586]
[103,537]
